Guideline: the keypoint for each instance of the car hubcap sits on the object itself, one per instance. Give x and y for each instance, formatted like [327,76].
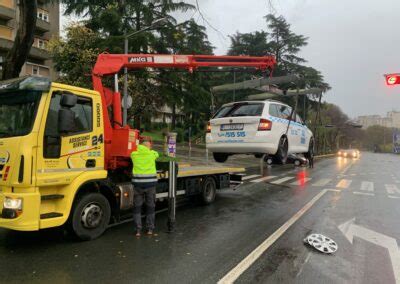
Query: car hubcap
[91,216]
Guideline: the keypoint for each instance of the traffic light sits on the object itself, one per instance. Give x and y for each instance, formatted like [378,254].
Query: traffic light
[392,79]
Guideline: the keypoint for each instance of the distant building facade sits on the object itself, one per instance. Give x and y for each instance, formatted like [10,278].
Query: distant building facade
[47,26]
[392,120]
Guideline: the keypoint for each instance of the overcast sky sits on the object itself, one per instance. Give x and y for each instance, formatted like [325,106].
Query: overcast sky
[353,43]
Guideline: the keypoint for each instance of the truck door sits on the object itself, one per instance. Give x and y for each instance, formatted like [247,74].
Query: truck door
[63,155]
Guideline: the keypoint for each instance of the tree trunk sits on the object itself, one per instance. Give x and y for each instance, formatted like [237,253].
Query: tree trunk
[18,54]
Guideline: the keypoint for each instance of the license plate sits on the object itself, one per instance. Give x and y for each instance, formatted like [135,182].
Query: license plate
[237,126]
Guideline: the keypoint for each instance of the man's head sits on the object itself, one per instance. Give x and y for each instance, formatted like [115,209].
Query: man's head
[146,142]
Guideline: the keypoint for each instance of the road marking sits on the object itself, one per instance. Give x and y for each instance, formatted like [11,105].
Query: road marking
[349,229]
[301,181]
[392,189]
[394,196]
[363,193]
[249,177]
[263,179]
[281,180]
[238,270]
[367,186]
[322,182]
[344,183]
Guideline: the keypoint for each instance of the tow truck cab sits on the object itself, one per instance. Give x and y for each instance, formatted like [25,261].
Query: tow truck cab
[51,143]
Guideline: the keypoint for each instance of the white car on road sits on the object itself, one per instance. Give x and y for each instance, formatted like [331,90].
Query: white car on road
[258,127]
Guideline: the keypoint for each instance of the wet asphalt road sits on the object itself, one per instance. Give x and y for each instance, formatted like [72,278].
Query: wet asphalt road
[362,194]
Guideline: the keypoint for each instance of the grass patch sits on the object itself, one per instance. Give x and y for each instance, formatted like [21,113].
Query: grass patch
[155,136]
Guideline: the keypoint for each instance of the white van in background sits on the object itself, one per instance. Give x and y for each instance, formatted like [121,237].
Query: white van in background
[257,127]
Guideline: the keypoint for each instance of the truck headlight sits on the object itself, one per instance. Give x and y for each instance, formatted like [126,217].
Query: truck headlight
[12,203]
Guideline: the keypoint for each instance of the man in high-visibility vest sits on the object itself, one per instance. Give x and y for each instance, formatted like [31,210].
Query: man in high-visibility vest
[144,181]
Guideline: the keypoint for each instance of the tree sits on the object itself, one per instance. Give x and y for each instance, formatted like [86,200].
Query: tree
[75,56]
[23,41]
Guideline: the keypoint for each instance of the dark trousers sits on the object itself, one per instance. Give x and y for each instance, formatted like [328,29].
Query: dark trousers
[147,196]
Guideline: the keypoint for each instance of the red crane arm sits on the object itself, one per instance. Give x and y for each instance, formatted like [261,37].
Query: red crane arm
[121,140]
[108,64]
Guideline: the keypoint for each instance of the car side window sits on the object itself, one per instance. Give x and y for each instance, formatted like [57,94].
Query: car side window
[298,119]
[273,110]
[284,111]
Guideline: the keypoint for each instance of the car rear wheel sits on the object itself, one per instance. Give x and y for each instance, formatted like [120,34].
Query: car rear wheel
[282,153]
[220,157]
[297,163]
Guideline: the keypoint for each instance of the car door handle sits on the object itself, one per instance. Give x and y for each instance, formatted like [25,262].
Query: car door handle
[91,163]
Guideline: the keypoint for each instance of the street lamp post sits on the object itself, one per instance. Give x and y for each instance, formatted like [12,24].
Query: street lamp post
[156,23]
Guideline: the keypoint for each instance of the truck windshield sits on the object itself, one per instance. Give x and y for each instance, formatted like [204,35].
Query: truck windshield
[18,112]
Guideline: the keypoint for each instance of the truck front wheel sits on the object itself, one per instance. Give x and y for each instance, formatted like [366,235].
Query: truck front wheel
[90,216]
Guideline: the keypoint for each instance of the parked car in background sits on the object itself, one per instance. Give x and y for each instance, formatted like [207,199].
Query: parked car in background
[258,128]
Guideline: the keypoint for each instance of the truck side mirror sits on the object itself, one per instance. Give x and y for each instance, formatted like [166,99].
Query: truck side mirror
[66,120]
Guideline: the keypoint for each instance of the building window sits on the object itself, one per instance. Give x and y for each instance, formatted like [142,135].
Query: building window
[35,70]
[43,15]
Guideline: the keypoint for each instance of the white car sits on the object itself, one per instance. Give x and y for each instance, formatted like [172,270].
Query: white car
[258,127]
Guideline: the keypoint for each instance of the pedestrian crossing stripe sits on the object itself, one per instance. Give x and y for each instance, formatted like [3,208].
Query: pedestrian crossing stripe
[282,180]
[322,182]
[392,189]
[263,179]
[344,183]
[249,177]
[367,186]
[301,181]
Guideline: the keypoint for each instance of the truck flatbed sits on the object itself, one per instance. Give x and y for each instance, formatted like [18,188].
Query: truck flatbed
[192,171]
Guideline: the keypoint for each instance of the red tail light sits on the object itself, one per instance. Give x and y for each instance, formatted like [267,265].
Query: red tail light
[208,130]
[264,125]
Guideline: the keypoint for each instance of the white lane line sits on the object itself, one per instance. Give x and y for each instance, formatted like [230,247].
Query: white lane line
[367,186]
[363,193]
[392,189]
[301,181]
[250,177]
[394,196]
[238,270]
[322,182]
[282,180]
[263,179]
[344,183]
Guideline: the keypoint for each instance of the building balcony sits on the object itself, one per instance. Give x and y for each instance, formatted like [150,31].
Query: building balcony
[42,26]
[7,3]
[6,32]
[6,13]
[35,52]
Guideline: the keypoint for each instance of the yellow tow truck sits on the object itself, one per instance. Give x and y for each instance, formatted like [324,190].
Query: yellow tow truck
[64,155]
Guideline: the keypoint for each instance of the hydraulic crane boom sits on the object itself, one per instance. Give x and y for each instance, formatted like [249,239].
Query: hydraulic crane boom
[120,140]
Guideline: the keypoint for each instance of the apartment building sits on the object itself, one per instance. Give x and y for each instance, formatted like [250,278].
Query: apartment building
[392,120]
[47,26]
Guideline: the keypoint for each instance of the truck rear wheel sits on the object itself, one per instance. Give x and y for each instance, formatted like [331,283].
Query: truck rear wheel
[220,157]
[90,216]
[209,190]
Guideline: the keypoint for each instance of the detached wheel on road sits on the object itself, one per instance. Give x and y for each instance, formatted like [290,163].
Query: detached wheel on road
[220,157]
[90,216]
[282,153]
[209,190]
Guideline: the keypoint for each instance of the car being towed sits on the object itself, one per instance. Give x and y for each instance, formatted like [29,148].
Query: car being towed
[258,127]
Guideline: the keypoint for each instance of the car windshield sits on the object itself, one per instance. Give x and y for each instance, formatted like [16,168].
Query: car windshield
[240,110]
[18,112]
